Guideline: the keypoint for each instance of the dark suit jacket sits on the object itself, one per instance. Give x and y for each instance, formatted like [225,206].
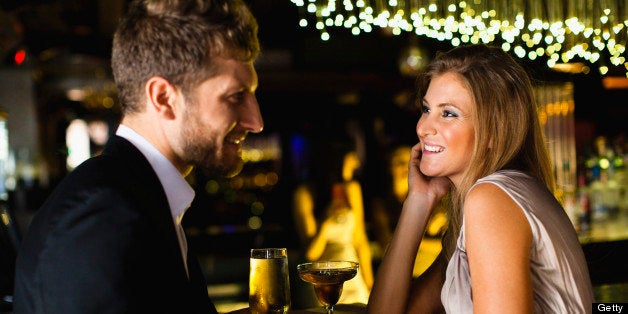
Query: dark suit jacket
[104,242]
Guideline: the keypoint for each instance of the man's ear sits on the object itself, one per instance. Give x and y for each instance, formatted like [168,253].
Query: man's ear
[162,97]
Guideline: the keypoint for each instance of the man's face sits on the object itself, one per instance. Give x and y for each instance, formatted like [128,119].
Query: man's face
[217,116]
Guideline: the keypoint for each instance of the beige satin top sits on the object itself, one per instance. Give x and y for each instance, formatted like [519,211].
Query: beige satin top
[560,276]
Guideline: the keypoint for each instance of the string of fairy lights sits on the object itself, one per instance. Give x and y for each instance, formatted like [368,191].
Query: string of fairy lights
[561,30]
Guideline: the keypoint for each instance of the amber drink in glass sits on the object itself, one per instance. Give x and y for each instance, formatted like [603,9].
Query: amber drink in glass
[269,284]
[327,278]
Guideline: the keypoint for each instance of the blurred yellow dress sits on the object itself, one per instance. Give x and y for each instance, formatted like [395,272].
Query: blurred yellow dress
[340,247]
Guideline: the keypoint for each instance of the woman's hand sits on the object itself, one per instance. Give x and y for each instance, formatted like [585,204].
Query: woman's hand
[392,291]
[418,183]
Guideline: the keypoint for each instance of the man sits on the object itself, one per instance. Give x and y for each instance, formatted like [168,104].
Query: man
[109,238]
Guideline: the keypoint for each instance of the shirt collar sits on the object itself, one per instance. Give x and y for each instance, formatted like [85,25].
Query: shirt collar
[178,191]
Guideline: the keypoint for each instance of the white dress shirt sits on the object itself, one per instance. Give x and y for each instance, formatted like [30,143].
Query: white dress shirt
[178,192]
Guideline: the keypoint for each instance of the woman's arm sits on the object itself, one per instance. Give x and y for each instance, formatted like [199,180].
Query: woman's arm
[425,292]
[312,236]
[392,288]
[498,240]
[303,213]
[361,241]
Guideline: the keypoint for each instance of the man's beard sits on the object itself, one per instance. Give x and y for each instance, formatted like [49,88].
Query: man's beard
[202,151]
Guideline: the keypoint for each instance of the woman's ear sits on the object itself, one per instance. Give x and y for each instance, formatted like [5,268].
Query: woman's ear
[162,97]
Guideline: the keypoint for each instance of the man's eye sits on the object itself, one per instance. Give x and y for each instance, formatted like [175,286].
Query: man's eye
[238,95]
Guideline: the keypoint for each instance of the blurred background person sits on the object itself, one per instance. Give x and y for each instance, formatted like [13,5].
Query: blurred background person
[329,215]
[386,206]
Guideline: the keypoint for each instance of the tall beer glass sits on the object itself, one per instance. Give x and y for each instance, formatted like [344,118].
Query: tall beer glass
[269,284]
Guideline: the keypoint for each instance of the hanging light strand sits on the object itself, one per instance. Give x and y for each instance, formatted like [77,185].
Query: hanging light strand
[561,31]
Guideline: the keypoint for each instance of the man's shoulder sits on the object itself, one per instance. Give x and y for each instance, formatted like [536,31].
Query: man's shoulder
[119,159]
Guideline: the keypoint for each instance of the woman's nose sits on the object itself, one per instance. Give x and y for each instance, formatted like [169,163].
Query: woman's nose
[424,127]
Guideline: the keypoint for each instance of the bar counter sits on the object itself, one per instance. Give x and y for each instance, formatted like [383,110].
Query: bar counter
[338,309]
[605,245]
[614,228]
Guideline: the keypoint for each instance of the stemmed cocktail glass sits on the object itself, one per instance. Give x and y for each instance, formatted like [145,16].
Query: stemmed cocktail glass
[328,277]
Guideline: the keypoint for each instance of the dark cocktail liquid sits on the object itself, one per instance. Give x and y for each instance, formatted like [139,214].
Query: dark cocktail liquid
[328,282]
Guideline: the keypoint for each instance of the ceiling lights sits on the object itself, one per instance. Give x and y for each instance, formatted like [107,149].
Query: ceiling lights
[561,31]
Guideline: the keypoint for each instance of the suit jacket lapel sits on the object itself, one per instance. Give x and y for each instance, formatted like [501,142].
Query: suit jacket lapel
[149,191]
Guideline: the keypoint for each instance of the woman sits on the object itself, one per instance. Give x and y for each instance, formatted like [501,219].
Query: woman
[329,216]
[510,246]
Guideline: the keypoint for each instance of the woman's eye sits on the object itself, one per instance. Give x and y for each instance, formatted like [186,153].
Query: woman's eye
[425,109]
[448,113]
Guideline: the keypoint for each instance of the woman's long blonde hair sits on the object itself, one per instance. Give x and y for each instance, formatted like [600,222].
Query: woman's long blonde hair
[508,134]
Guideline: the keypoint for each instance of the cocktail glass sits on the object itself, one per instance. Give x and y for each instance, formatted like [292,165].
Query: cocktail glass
[327,278]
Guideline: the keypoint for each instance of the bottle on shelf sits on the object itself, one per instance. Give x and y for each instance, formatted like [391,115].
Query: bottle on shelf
[584,206]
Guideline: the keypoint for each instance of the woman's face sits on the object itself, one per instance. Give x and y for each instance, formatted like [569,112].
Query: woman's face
[446,128]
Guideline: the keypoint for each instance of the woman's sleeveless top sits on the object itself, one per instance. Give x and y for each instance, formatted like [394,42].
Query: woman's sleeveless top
[560,276]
